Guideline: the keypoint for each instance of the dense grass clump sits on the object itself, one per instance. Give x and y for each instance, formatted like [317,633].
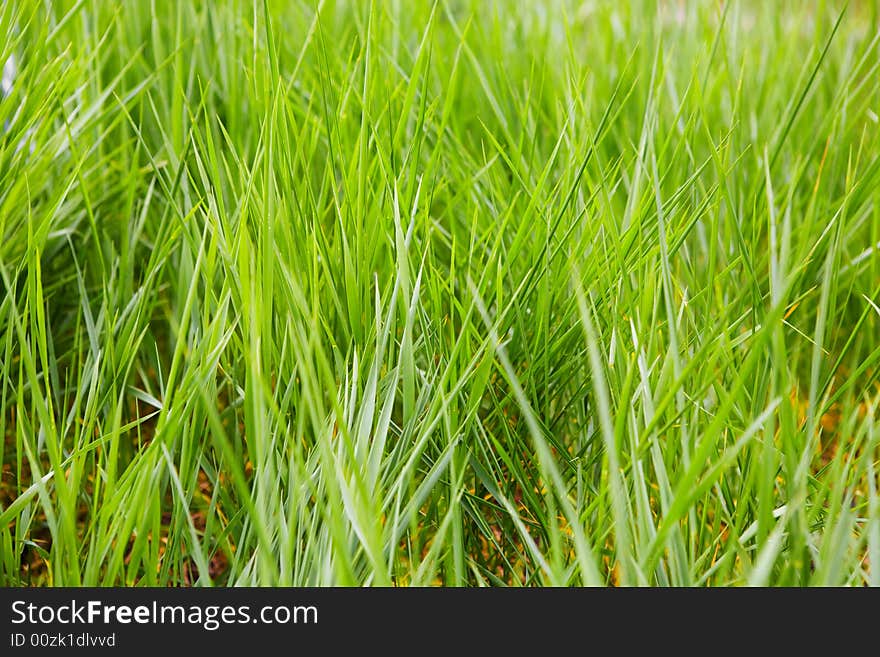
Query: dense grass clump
[466,293]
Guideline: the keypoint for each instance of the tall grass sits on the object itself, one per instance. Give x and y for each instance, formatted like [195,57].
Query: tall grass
[461,293]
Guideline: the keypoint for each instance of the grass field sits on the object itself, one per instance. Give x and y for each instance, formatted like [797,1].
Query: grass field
[463,293]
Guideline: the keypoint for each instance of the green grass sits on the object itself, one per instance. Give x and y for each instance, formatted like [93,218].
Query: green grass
[461,293]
